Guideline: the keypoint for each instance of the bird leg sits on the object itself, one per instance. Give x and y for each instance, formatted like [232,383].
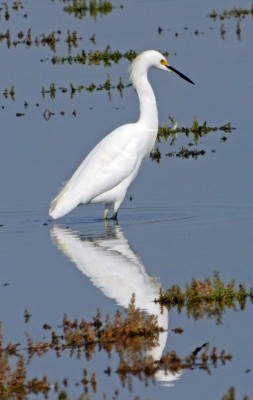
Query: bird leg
[107,208]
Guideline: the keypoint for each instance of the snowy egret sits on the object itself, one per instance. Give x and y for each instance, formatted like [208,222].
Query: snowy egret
[108,170]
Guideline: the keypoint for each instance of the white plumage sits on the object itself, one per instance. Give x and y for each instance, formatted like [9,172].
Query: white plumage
[109,169]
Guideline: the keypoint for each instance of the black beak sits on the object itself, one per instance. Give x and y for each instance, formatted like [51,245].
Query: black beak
[180,74]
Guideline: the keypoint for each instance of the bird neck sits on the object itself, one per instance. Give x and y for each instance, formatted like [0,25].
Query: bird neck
[148,109]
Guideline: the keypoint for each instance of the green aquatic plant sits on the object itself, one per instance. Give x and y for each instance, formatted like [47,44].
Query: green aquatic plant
[196,131]
[206,298]
[10,93]
[80,8]
[235,12]
[72,39]
[108,86]
[6,9]
[50,40]
[97,57]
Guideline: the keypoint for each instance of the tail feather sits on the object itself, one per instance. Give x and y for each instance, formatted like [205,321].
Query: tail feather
[63,203]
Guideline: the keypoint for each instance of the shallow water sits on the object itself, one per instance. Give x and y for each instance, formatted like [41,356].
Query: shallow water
[187,218]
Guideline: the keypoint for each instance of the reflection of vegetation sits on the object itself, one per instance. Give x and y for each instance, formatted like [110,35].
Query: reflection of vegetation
[5,12]
[130,337]
[9,93]
[79,8]
[199,359]
[26,39]
[97,57]
[230,395]
[107,86]
[206,297]
[236,12]
[196,131]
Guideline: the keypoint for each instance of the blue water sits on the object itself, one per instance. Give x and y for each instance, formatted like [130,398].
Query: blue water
[187,218]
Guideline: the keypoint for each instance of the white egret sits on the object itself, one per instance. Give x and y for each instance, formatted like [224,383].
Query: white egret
[108,170]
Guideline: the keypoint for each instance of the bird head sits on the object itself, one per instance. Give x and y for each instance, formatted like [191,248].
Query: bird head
[152,58]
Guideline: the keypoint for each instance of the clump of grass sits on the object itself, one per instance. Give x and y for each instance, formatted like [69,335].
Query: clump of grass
[208,297]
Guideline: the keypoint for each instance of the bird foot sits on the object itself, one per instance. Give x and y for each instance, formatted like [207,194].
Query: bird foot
[115,217]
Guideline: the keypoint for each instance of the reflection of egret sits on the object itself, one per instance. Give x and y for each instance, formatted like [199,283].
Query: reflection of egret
[106,173]
[113,267]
